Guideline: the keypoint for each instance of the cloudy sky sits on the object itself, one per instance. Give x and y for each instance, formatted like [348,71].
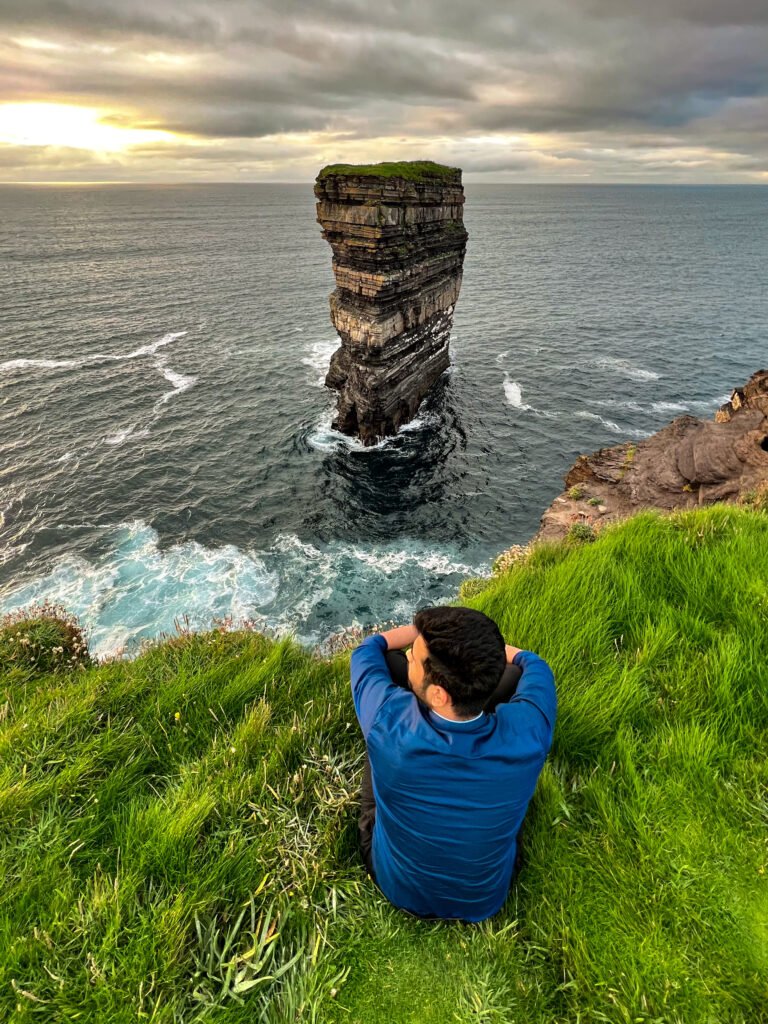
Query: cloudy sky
[242,90]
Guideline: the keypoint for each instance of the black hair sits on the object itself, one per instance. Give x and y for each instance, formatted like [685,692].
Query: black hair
[466,654]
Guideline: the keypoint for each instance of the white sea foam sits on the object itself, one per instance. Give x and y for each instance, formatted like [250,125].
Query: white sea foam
[120,436]
[391,562]
[137,590]
[180,383]
[626,369]
[711,404]
[151,349]
[613,403]
[608,424]
[325,439]
[178,380]
[514,395]
[696,406]
[670,407]
[615,428]
[501,356]
[97,357]
[318,357]
[40,364]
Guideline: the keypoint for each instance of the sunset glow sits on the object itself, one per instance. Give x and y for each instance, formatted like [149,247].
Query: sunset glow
[673,92]
[58,124]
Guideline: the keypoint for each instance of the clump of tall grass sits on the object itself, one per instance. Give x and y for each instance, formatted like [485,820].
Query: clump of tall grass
[42,638]
[179,832]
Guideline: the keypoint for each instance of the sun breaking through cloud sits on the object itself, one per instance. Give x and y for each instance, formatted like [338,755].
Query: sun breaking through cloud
[269,90]
[59,124]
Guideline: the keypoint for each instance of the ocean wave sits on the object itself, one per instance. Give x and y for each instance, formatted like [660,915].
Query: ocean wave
[710,405]
[670,407]
[325,439]
[138,590]
[97,357]
[121,436]
[615,428]
[626,369]
[152,348]
[514,396]
[693,405]
[318,357]
[41,364]
[613,403]
[180,383]
[437,562]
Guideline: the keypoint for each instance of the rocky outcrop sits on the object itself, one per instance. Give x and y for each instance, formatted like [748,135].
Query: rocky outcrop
[689,462]
[398,241]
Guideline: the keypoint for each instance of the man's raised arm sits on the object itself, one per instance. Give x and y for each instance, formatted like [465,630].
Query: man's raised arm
[400,637]
[370,677]
[536,685]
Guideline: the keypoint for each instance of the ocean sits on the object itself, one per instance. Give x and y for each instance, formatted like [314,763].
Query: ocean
[165,443]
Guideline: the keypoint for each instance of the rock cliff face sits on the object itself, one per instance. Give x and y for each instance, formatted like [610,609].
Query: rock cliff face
[689,462]
[398,241]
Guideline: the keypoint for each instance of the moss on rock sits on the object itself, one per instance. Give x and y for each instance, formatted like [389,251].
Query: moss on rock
[408,170]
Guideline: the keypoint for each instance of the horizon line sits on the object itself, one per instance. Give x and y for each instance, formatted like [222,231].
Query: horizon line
[312,181]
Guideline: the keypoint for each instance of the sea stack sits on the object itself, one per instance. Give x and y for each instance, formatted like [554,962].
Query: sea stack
[398,241]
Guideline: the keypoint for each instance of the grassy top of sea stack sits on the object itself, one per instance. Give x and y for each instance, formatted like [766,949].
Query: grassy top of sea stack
[179,831]
[408,170]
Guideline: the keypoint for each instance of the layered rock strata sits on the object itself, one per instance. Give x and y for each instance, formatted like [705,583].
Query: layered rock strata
[398,241]
[688,463]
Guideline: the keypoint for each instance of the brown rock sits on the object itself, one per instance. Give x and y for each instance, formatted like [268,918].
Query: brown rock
[689,462]
[398,244]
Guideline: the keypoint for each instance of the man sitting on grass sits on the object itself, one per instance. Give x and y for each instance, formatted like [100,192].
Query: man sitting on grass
[457,735]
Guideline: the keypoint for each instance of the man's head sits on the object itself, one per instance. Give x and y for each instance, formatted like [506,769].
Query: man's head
[456,660]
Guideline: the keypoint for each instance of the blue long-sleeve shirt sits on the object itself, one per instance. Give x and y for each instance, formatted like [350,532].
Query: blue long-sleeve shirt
[450,796]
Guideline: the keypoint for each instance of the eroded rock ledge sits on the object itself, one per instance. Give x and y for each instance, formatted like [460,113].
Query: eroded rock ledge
[398,241]
[688,463]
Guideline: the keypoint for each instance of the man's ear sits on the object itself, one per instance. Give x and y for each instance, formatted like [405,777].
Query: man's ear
[440,697]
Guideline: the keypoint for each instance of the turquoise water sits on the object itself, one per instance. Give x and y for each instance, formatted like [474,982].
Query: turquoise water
[165,441]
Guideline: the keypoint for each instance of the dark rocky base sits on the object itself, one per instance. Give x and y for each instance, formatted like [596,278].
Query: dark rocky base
[382,391]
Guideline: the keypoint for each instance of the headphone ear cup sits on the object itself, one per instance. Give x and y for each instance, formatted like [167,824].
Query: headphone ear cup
[397,663]
[506,688]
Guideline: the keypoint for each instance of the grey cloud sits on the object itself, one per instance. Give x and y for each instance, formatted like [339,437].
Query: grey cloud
[682,71]
[702,12]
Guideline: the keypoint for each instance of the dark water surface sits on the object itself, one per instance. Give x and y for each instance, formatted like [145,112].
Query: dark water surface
[165,442]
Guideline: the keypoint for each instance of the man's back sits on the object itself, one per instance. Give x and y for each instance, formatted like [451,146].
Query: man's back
[450,795]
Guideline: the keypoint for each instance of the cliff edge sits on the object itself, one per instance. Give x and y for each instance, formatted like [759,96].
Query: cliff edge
[398,241]
[689,463]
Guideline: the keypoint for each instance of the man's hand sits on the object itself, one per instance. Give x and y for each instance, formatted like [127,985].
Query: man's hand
[400,637]
[511,652]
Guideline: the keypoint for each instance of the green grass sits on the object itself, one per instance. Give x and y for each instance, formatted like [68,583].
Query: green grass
[408,170]
[177,834]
